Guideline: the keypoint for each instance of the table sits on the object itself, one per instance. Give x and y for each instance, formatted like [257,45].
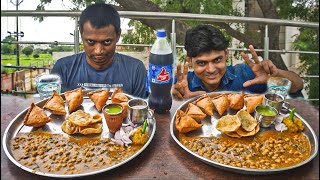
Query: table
[163,158]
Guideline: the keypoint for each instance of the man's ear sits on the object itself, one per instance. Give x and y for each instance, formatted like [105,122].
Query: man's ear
[118,35]
[188,59]
[226,52]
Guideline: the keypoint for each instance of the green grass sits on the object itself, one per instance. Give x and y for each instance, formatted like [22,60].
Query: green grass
[41,61]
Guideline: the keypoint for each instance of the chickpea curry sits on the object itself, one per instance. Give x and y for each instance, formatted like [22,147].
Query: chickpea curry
[268,150]
[58,154]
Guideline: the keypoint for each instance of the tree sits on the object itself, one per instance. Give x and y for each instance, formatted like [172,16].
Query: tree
[27,50]
[7,48]
[307,40]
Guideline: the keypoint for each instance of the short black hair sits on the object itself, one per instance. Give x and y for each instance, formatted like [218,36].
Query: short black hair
[203,39]
[100,15]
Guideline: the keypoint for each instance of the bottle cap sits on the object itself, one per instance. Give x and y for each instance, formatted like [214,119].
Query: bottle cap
[161,33]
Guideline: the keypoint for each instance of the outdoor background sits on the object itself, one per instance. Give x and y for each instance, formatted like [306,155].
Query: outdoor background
[58,33]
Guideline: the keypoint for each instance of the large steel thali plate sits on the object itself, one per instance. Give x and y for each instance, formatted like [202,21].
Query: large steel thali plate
[208,129]
[16,126]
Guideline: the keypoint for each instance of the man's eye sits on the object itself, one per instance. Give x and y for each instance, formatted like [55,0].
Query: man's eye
[90,42]
[218,60]
[201,63]
[107,42]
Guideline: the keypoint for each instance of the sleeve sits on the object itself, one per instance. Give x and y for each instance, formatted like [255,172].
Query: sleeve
[140,85]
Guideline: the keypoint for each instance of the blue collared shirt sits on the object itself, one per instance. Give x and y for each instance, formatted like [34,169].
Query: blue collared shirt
[232,80]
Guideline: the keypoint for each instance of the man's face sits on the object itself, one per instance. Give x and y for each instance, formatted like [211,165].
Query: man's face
[210,68]
[99,44]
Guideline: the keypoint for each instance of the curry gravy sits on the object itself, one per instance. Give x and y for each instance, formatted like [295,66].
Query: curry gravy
[269,150]
[58,154]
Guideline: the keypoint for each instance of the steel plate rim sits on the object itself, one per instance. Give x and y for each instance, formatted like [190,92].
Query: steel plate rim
[236,169]
[13,160]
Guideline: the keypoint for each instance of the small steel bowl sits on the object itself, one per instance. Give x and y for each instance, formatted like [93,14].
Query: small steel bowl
[265,115]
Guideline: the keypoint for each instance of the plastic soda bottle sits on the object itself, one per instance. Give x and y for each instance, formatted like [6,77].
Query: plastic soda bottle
[160,74]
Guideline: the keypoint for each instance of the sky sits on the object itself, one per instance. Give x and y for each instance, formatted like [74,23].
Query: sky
[50,30]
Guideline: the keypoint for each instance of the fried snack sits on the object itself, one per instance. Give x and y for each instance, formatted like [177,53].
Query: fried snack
[69,128]
[195,112]
[236,100]
[124,108]
[257,128]
[74,99]
[233,134]
[252,101]
[244,133]
[118,96]
[248,123]
[91,129]
[220,103]
[95,118]
[55,104]
[35,117]
[228,123]
[185,123]
[99,98]
[79,118]
[83,123]
[205,104]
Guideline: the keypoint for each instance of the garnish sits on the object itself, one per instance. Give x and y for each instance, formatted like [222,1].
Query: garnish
[145,124]
[292,113]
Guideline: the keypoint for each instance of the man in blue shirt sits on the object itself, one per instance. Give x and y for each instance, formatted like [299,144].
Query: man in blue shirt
[207,51]
[100,66]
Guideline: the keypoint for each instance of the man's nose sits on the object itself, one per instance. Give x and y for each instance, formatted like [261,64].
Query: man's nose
[211,67]
[98,48]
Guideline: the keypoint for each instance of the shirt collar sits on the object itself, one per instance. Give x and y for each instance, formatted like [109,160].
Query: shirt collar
[228,76]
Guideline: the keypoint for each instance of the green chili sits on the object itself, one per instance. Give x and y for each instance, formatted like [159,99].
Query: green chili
[144,126]
[292,113]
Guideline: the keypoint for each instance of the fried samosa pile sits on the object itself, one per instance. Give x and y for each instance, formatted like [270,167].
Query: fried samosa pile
[198,110]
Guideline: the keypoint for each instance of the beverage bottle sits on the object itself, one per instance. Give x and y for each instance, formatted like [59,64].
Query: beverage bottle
[160,74]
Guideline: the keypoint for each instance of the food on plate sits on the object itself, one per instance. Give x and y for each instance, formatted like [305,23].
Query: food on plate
[240,125]
[266,110]
[99,98]
[69,128]
[252,101]
[220,103]
[248,123]
[83,123]
[118,96]
[195,112]
[269,150]
[94,128]
[55,104]
[124,108]
[79,118]
[233,134]
[242,132]
[236,100]
[185,123]
[205,104]
[56,154]
[74,99]
[140,136]
[228,123]
[35,117]
[293,123]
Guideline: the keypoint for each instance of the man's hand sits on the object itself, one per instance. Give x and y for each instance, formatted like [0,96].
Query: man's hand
[180,90]
[261,70]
